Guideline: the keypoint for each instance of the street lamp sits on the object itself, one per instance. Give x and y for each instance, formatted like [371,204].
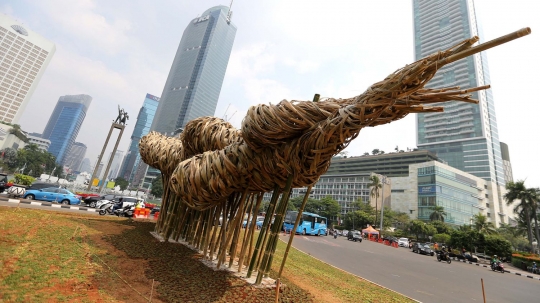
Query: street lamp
[384,181]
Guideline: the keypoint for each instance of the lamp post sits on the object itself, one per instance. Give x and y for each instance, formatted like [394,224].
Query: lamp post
[383,181]
[535,245]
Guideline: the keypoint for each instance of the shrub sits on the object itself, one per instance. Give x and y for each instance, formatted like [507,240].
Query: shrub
[24,179]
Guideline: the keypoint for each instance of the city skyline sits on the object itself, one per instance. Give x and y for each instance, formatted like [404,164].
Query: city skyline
[280,52]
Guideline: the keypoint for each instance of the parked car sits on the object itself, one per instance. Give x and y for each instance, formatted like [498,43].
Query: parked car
[422,248]
[53,194]
[354,236]
[344,233]
[4,184]
[155,210]
[403,242]
[259,222]
[92,200]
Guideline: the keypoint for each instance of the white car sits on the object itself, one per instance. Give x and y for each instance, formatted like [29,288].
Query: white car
[403,242]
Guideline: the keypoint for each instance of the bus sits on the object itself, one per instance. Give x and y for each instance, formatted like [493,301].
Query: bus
[310,223]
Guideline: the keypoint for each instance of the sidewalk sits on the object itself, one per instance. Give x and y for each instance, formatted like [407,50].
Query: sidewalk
[509,268]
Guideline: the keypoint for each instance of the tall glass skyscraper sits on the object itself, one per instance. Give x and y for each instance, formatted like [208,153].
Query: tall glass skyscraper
[75,156]
[464,135]
[194,82]
[64,124]
[142,127]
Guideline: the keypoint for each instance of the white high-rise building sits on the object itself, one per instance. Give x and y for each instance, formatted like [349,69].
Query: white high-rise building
[24,55]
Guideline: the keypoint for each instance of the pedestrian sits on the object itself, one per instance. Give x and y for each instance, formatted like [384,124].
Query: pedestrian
[436,246]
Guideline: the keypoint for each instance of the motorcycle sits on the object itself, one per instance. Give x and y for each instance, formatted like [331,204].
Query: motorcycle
[335,235]
[443,256]
[497,266]
[126,211]
[107,208]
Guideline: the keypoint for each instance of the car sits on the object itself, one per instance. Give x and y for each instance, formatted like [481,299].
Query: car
[422,248]
[355,236]
[4,183]
[92,200]
[53,194]
[344,232]
[155,210]
[403,242]
[259,222]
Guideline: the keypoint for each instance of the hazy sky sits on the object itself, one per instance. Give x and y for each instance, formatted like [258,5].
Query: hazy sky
[117,51]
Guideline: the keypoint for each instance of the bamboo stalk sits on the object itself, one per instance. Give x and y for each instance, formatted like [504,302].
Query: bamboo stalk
[246,244]
[264,267]
[238,228]
[237,218]
[293,232]
[213,230]
[262,233]
[252,240]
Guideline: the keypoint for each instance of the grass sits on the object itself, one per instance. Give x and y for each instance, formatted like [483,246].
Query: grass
[57,257]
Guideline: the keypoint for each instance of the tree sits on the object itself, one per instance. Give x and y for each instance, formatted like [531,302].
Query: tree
[438,213]
[366,154]
[442,228]
[482,225]
[417,228]
[157,187]
[17,131]
[527,204]
[123,183]
[441,238]
[375,185]
[375,151]
[497,245]
[357,220]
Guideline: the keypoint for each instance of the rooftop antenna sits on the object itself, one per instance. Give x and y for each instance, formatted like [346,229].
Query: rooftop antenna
[225,114]
[229,14]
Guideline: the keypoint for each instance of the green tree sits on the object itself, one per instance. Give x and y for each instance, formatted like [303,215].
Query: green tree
[442,228]
[375,185]
[357,220]
[497,245]
[437,213]
[527,204]
[157,187]
[482,225]
[417,228]
[441,238]
[24,179]
[17,131]
[123,183]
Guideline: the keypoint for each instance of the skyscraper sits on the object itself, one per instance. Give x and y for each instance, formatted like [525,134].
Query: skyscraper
[115,165]
[86,166]
[64,124]
[142,127]
[465,135]
[24,56]
[194,82]
[75,156]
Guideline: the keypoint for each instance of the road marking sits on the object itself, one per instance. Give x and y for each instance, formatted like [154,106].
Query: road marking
[368,251]
[396,276]
[425,293]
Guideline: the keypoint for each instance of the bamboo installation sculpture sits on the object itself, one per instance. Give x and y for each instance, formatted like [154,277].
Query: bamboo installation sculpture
[214,174]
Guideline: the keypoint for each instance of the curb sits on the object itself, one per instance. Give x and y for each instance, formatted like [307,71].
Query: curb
[353,274]
[30,202]
[506,271]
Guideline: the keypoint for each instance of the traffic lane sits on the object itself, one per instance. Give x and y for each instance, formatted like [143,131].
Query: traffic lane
[47,208]
[418,276]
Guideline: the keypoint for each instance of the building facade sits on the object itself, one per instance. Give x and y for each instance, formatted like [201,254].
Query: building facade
[24,56]
[65,123]
[75,156]
[86,166]
[42,144]
[9,140]
[507,165]
[465,135]
[194,82]
[115,165]
[142,127]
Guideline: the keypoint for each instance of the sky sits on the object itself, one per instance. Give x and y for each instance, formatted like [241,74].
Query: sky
[118,51]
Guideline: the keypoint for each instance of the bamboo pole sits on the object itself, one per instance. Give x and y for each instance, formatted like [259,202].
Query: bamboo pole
[483,292]
[230,233]
[248,241]
[264,267]
[252,240]
[238,228]
[262,233]
[212,232]
[293,231]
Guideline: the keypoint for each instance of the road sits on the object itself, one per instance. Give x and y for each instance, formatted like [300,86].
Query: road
[420,277]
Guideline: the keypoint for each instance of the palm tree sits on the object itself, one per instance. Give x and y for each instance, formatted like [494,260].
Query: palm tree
[375,185]
[528,204]
[483,226]
[438,213]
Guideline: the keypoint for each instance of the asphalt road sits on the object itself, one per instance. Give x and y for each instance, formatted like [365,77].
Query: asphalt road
[418,276]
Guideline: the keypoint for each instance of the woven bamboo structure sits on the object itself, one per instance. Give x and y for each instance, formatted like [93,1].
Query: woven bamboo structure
[215,171]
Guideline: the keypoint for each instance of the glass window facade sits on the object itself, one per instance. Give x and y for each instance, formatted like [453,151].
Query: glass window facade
[194,82]
[65,123]
[458,194]
[464,135]
[142,127]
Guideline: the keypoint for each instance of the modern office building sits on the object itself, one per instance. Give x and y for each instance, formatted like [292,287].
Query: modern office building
[142,128]
[43,144]
[75,156]
[507,165]
[390,165]
[465,135]
[194,82]
[64,124]
[24,56]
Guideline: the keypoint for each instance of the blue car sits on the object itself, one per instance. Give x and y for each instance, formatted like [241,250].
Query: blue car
[53,194]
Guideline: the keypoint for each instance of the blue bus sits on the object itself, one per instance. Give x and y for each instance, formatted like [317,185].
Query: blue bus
[310,223]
